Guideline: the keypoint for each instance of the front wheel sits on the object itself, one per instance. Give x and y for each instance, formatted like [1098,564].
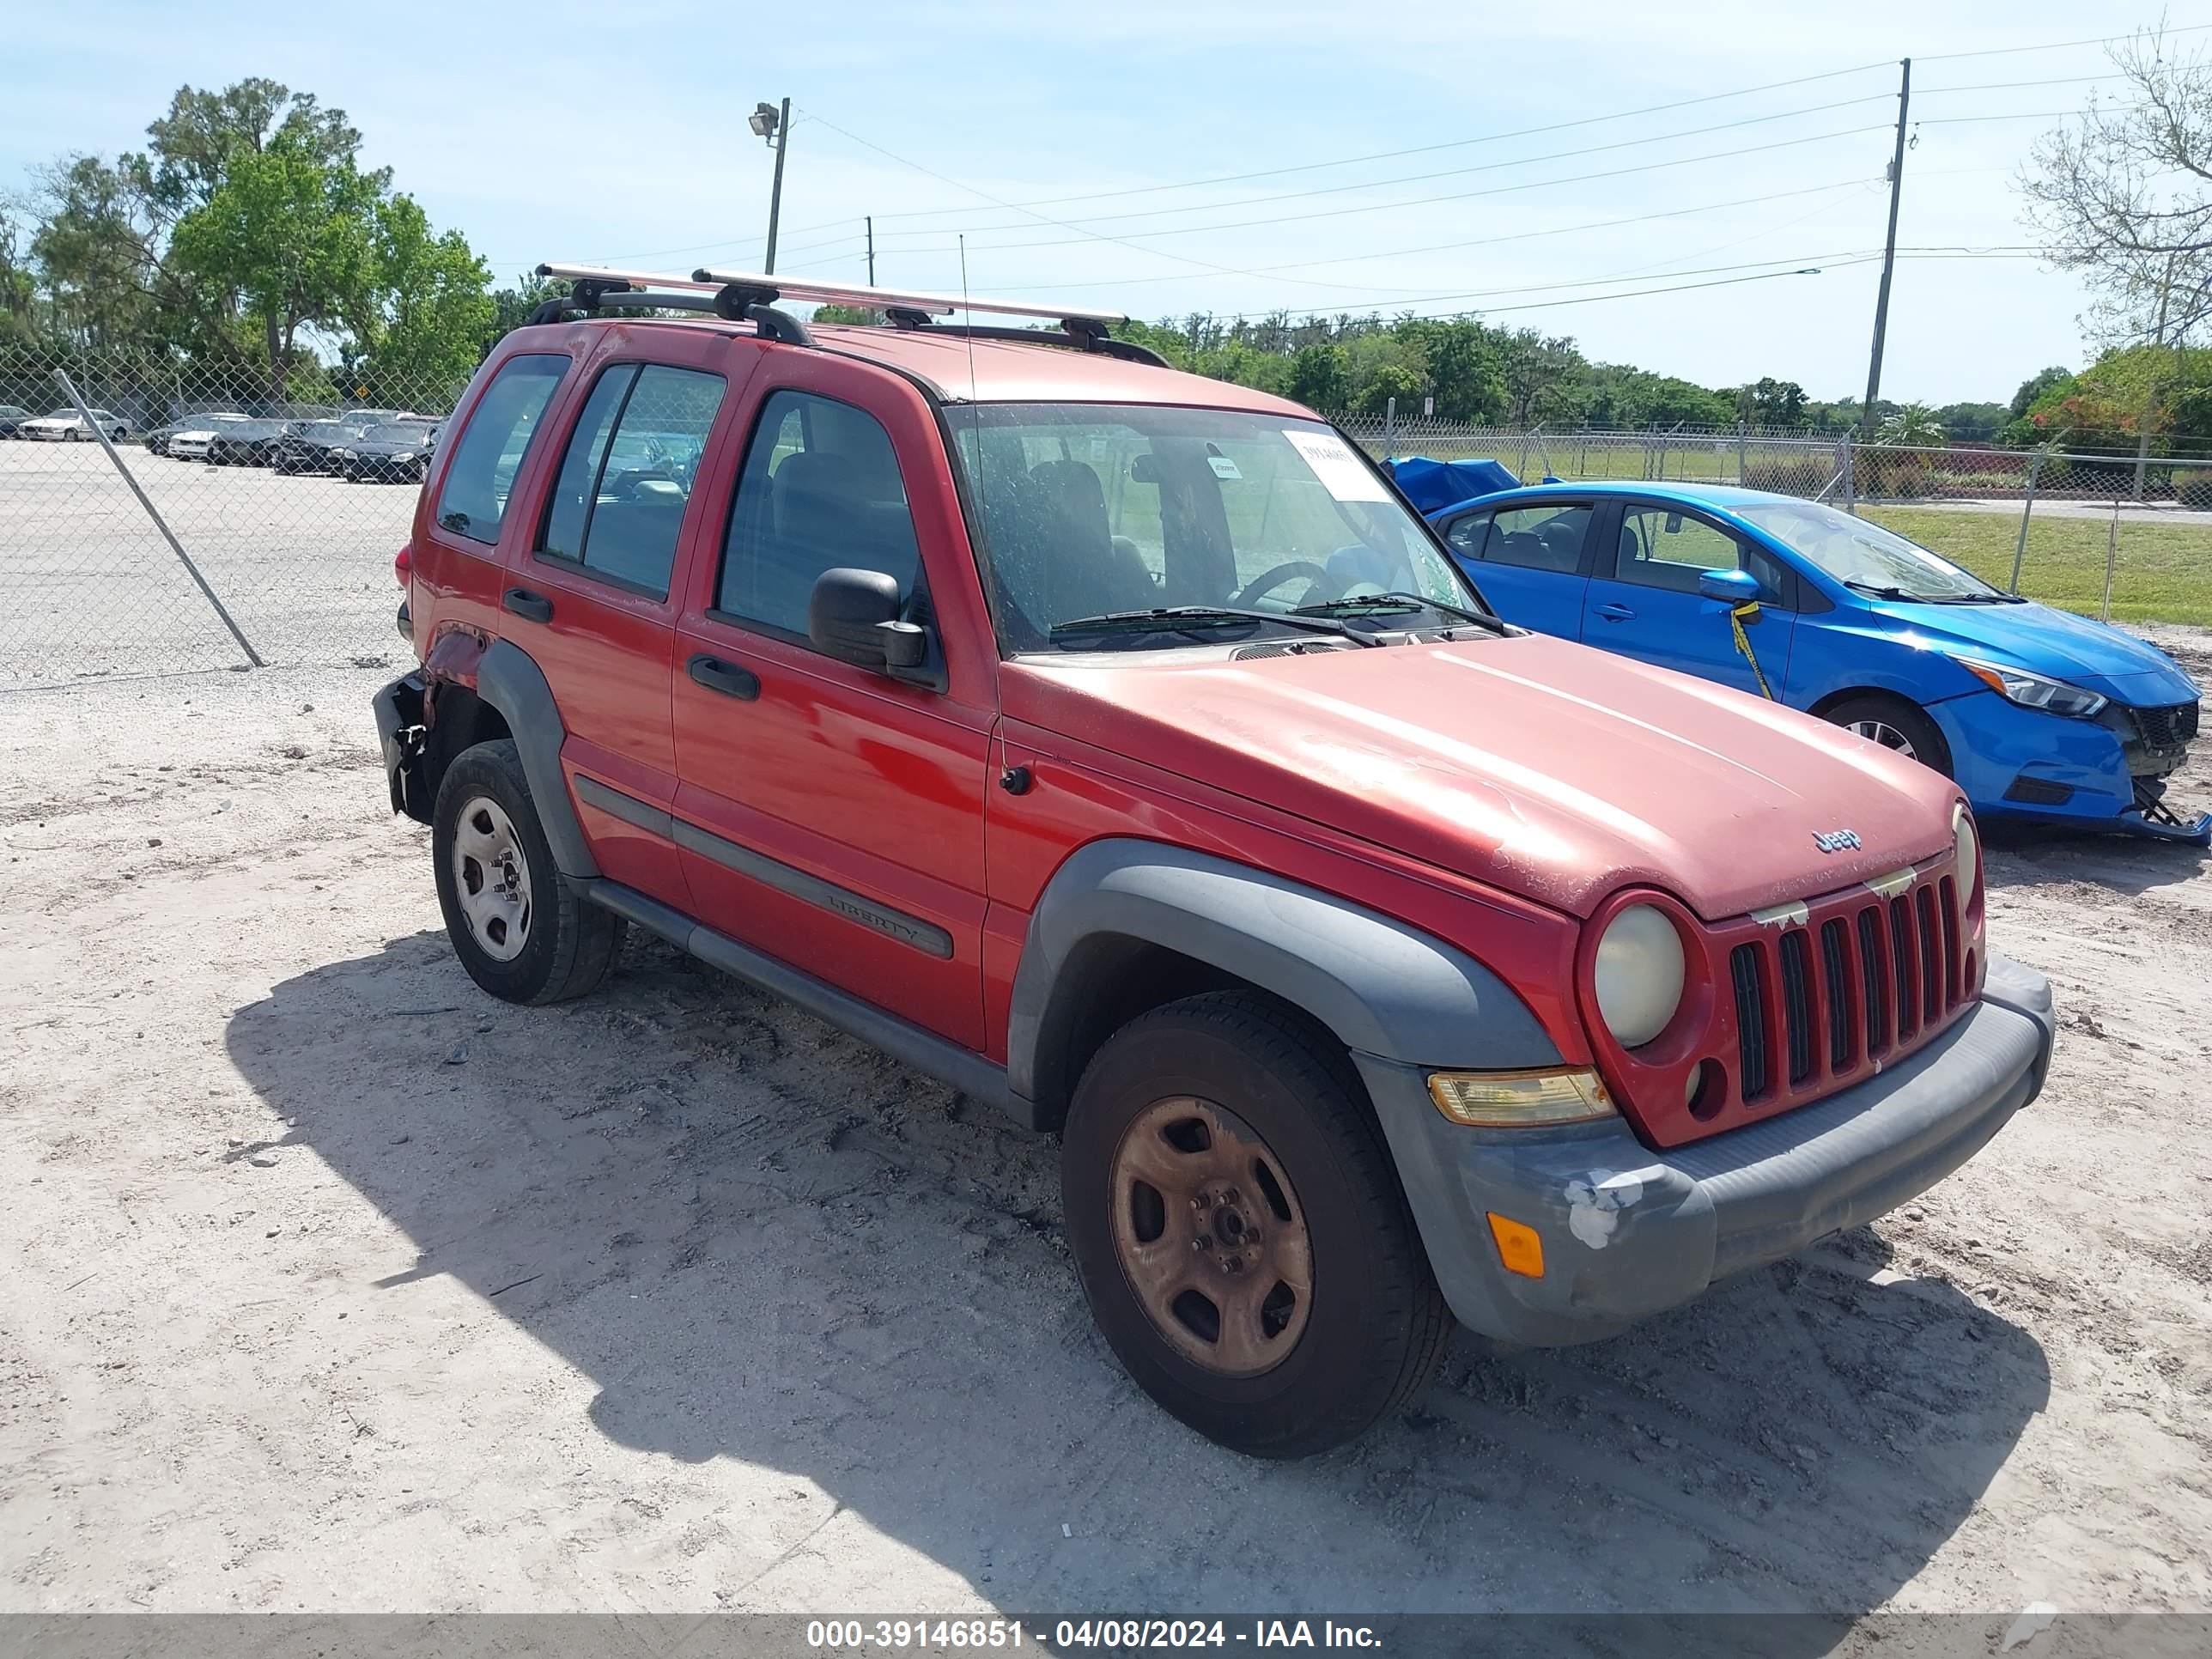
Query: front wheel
[1239,1231]
[518,928]
[1897,725]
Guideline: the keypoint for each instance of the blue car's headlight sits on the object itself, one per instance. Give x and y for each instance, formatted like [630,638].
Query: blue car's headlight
[2034,691]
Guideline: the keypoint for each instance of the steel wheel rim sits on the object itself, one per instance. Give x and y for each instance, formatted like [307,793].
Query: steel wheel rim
[491,878]
[1211,1237]
[1883,733]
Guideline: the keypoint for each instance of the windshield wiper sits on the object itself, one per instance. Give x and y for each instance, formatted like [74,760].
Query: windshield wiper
[1394,602]
[1180,618]
[1873,591]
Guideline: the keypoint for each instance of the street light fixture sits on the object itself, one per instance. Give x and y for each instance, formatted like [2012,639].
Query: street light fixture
[772,123]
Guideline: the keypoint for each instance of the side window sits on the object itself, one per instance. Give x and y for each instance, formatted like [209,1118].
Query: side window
[821,488]
[1465,535]
[491,449]
[1663,548]
[1545,537]
[618,506]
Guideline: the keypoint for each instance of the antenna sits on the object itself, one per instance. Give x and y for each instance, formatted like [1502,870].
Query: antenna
[975,408]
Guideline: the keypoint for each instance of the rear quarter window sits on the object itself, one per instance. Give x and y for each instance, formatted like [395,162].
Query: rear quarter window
[490,450]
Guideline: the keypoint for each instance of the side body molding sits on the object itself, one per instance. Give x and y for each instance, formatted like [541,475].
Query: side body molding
[510,681]
[1384,988]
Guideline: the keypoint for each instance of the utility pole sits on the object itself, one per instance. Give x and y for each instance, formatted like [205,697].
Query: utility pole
[1889,251]
[871,250]
[773,124]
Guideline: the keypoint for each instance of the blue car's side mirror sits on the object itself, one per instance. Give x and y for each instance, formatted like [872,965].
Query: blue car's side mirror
[1729,586]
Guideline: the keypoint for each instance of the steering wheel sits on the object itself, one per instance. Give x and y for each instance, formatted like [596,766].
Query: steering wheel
[1269,580]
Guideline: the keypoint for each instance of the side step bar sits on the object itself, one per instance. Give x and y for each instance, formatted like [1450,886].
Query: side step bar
[948,1062]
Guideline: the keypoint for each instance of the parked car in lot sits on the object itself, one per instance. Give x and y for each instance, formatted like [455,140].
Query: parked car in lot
[12,416]
[393,454]
[1114,744]
[2038,714]
[158,441]
[67,426]
[314,447]
[246,443]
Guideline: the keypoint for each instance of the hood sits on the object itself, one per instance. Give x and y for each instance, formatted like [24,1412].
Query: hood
[2056,643]
[1543,766]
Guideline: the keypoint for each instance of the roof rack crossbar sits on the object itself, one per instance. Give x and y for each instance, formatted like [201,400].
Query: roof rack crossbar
[592,289]
[1104,345]
[892,299]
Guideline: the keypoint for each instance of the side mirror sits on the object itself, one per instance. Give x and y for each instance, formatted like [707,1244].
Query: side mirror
[1731,587]
[854,615]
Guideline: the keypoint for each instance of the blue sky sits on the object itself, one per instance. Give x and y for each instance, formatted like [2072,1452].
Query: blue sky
[556,131]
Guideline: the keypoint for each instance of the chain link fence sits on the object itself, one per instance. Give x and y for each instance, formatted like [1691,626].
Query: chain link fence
[202,517]
[2122,537]
[217,494]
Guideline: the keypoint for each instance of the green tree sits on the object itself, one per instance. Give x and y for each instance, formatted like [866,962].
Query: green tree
[1537,370]
[1914,427]
[294,235]
[2033,389]
[1321,379]
[1770,402]
[431,311]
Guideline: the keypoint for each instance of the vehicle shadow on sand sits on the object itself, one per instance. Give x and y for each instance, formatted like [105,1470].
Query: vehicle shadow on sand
[763,1241]
[2130,864]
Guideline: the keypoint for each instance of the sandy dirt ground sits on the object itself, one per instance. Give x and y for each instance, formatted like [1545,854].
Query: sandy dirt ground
[328,1283]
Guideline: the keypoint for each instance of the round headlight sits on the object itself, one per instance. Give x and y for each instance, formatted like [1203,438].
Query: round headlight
[1970,852]
[1639,975]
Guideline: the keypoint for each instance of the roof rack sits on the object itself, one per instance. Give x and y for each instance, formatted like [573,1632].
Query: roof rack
[752,296]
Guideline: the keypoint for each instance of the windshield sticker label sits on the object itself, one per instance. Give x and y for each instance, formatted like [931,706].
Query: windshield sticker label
[1336,466]
[1224,468]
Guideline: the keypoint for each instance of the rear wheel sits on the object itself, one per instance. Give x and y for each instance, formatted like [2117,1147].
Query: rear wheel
[520,931]
[1897,725]
[1239,1231]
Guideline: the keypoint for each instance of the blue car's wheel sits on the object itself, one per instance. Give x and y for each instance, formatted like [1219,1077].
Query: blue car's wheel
[1895,725]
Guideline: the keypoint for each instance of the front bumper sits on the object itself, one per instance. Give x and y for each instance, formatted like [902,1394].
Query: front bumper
[2029,766]
[1628,1233]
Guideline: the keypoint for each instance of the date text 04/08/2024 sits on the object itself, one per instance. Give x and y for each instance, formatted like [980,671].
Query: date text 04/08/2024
[1105,1633]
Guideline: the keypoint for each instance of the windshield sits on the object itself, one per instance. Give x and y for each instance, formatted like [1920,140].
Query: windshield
[1091,509]
[1863,555]
[393,434]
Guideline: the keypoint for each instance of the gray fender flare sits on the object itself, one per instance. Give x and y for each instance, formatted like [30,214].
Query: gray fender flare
[512,683]
[1383,988]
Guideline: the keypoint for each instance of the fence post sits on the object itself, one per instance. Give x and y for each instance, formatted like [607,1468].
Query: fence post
[2020,547]
[1742,432]
[1389,426]
[1851,478]
[2111,556]
[159,522]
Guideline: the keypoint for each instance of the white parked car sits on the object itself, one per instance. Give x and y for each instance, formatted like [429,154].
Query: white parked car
[66,425]
[191,444]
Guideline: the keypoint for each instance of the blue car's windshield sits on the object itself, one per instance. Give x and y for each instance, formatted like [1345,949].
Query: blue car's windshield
[1864,555]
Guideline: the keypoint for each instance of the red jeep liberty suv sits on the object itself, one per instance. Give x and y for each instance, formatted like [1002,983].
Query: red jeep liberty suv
[1119,746]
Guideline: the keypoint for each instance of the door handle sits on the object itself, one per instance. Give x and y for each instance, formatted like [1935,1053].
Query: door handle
[1616,613]
[531,607]
[726,678]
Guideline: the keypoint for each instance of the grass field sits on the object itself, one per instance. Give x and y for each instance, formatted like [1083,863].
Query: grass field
[2163,573]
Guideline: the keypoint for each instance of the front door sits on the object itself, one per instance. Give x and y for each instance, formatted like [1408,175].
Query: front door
[831,816]
[1643,602]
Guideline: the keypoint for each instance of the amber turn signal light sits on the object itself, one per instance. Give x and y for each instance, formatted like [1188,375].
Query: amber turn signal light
[1519,1246]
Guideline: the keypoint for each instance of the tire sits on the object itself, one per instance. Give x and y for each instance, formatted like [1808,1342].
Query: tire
[518,928]
[1896,724]
[1366,1327]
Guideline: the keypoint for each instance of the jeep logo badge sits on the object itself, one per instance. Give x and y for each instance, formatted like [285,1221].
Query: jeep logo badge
[1837,841]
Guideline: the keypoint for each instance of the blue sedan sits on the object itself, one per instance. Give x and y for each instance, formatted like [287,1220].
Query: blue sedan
[2038,713]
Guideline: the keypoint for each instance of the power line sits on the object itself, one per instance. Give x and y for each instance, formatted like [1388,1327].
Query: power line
[1477,241]
[1456,196]
[2054,45]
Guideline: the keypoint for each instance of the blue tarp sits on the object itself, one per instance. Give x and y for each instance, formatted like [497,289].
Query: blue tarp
[1432,484]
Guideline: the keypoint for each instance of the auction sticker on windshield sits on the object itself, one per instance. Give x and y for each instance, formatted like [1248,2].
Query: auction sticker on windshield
[1336,466]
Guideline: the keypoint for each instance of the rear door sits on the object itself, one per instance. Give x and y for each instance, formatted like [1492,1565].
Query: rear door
[1530,561]
[831,816]
[1642,600]
[592,593]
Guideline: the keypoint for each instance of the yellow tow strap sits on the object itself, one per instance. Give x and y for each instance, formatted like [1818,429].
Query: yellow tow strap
[1738,614]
